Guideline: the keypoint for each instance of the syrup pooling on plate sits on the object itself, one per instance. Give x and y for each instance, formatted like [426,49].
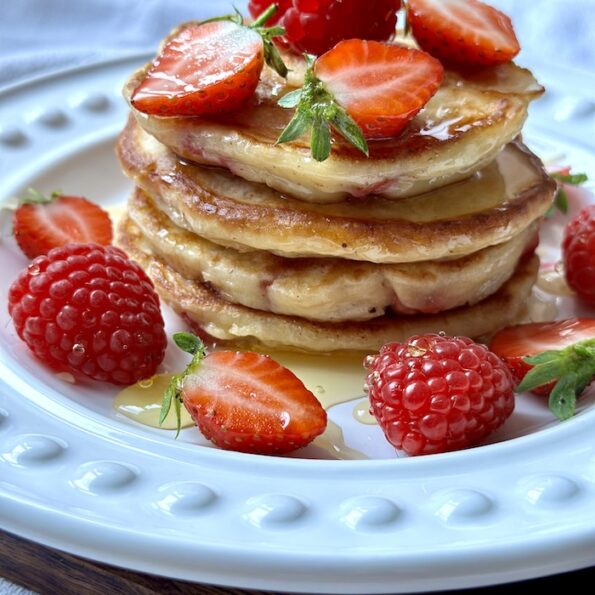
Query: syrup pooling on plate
[552,281]
[141,402]
[333,378]
[361,413]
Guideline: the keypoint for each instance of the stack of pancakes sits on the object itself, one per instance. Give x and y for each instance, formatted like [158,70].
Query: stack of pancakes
[255,242]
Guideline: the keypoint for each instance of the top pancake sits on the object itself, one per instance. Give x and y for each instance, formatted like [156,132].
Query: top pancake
[459,131]
[491,207]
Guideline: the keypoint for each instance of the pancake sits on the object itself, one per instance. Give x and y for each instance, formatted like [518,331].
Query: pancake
[326,289]
[459,131]
[225,321]
[491,207]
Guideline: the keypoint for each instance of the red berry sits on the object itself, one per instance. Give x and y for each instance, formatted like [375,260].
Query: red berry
[41,223]
[315,26]
[382,86]
[578,250]
[89,310]
[245,401]
[463,32]
[435,393]
[206,69]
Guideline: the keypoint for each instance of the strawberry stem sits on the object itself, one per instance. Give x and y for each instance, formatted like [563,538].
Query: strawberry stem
[573,369]
[317,111]
[261,19]
[36,197]
[173,394]
[271,54]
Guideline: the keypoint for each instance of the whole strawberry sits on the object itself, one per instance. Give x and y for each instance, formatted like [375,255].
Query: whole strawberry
[89,310]
[435,393]
[578,251]
[315,26]
[244,401]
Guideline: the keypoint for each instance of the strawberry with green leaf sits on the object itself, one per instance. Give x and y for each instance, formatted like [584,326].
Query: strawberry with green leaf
[555,358]
[361,90]
[244,401]
[210,68]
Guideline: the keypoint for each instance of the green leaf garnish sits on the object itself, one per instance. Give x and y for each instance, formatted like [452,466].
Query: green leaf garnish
[572,368]
[291,99]
[572,179]
[298,126]
[173,394]
[561,198]
[318,111]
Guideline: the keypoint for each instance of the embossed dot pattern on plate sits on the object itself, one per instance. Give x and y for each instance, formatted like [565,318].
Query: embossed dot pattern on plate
[462,506]
[32,450]
[550,490]
[369,513]
[10,136]
[104,477]
[272,511]
[185,499]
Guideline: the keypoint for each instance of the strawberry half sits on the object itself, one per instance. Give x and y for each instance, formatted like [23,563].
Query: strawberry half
[41,223]
[209,68]
[555,358]
[463,32]
[362,89]
[244,401]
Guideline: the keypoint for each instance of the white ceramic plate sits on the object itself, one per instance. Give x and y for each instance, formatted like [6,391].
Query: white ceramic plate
[77,476]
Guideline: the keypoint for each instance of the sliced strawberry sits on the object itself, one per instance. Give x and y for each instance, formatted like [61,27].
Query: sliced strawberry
[209,68]
[541,355]
[463,32]
[361,89]
[41,223]
[381,86]
[245,401]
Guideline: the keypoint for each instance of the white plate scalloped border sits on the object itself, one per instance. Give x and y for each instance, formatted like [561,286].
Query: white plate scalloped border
[76,477]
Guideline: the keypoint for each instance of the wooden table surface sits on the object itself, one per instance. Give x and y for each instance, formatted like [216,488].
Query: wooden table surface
[50,572]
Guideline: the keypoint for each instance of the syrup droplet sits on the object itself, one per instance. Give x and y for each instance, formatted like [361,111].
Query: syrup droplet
[361,413]
[553,281]
[146,382]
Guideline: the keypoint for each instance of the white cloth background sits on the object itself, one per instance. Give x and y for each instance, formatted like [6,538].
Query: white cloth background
[41,36]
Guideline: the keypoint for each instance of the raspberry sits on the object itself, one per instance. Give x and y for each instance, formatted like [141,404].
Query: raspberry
[435,393]
[89,310]
[315,26]
[578,250]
